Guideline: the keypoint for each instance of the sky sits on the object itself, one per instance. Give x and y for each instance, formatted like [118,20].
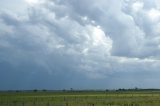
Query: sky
[79,44]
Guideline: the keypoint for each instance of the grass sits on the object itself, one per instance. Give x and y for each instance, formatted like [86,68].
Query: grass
[127,98]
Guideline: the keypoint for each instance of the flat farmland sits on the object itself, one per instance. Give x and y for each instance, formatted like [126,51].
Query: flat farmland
[80,98]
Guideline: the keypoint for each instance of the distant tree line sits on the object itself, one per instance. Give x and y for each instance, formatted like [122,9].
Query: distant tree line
[87,90]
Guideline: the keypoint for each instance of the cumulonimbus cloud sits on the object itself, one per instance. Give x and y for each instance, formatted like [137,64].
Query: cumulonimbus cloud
[96,38]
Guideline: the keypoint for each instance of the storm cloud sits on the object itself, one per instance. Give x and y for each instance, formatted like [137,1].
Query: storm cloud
[56,44]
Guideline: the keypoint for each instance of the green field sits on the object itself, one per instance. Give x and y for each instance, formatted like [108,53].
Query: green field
[127,98]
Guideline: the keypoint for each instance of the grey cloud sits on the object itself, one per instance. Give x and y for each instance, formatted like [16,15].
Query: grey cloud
[67,40]
[146,20]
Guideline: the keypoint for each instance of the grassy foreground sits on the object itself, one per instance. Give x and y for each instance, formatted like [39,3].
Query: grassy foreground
[102,98]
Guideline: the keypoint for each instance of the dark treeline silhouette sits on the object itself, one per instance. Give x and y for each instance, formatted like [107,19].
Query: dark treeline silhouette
[84,90]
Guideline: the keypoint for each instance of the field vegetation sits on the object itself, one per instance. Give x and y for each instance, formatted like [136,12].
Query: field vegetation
[80,98]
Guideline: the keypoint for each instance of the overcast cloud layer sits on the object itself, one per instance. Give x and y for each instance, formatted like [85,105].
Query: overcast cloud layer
[56,44]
